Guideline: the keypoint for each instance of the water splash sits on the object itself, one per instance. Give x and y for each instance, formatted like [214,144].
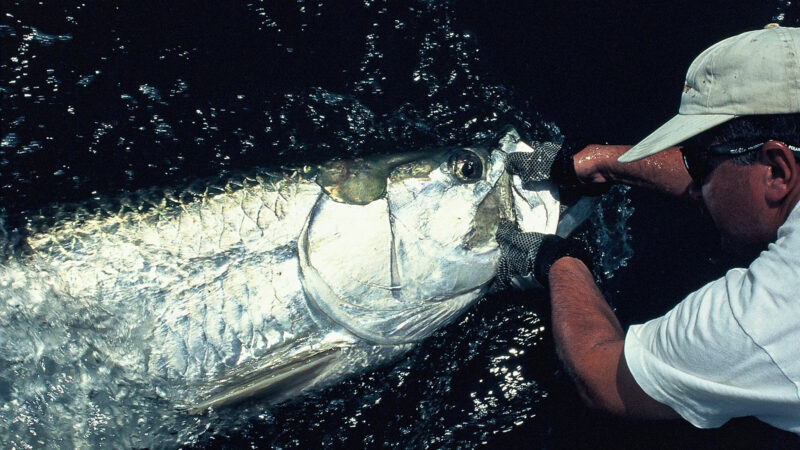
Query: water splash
[784,13]
[611,234]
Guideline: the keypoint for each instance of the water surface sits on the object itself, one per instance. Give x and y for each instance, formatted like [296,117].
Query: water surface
[108,97]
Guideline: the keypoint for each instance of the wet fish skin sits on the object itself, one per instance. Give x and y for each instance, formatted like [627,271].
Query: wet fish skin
[166,301]
[135,303]
[196,265]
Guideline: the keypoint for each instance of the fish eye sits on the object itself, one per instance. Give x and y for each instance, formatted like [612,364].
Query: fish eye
[466,165]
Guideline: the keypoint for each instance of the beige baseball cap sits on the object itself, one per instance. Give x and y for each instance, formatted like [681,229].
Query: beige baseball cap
[757,72]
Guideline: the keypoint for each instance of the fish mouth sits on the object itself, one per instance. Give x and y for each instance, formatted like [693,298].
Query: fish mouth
[532,207]
[508,195]
[495,207]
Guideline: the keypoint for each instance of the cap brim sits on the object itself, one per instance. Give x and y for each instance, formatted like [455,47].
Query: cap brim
[675,131]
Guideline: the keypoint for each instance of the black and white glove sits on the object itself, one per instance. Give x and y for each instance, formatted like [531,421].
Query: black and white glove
[551,162]
[526,257]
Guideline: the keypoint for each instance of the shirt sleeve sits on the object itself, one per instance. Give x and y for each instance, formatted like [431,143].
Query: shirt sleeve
[701,362]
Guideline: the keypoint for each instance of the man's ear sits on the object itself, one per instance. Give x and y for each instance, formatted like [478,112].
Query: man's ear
[783,175]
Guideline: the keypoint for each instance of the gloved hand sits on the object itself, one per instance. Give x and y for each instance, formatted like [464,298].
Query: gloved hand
[526,258]
[550,161]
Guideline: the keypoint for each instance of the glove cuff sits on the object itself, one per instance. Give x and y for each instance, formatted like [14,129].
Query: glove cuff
[563,172]
[554,248]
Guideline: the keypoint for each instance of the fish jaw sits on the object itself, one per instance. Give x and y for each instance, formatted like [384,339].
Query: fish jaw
[536,207]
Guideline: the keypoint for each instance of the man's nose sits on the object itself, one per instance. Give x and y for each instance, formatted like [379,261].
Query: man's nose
[695,191]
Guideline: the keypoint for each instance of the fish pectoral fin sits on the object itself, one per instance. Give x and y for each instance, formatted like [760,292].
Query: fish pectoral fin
[274,384]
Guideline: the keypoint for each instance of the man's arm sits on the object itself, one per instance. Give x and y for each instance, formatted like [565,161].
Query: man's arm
[590,341]
[663,172]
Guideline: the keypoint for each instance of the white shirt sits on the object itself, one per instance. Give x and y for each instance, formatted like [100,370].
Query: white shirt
[731,348]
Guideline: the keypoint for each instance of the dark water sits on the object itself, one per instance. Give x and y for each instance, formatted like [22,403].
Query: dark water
[106,97]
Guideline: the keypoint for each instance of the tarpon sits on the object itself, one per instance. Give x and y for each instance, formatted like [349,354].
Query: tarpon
[135,315]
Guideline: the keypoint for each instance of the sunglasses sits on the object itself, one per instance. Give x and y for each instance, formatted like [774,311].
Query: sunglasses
[697,159]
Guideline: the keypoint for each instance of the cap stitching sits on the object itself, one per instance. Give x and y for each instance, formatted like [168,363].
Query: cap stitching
[792,67]
[711,85]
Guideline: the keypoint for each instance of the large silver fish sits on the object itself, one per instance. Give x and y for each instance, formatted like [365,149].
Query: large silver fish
[131,318]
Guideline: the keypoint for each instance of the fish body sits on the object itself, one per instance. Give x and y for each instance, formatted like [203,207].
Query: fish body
[132,317]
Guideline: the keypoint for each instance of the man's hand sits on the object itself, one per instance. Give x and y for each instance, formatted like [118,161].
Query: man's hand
[550,161]
[526,258]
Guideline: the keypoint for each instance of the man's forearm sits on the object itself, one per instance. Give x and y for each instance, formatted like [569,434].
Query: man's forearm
[590,342]
[587,334]
[663,172]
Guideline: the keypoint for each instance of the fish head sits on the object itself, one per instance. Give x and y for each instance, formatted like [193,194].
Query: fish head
[403,244]
[444,221]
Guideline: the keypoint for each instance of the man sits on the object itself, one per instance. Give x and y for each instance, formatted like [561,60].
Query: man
[732,348]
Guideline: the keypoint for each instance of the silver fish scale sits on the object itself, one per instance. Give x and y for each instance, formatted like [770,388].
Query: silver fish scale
[213,275]
[143,317]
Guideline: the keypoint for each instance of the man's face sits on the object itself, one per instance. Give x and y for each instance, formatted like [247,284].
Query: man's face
[733,197]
